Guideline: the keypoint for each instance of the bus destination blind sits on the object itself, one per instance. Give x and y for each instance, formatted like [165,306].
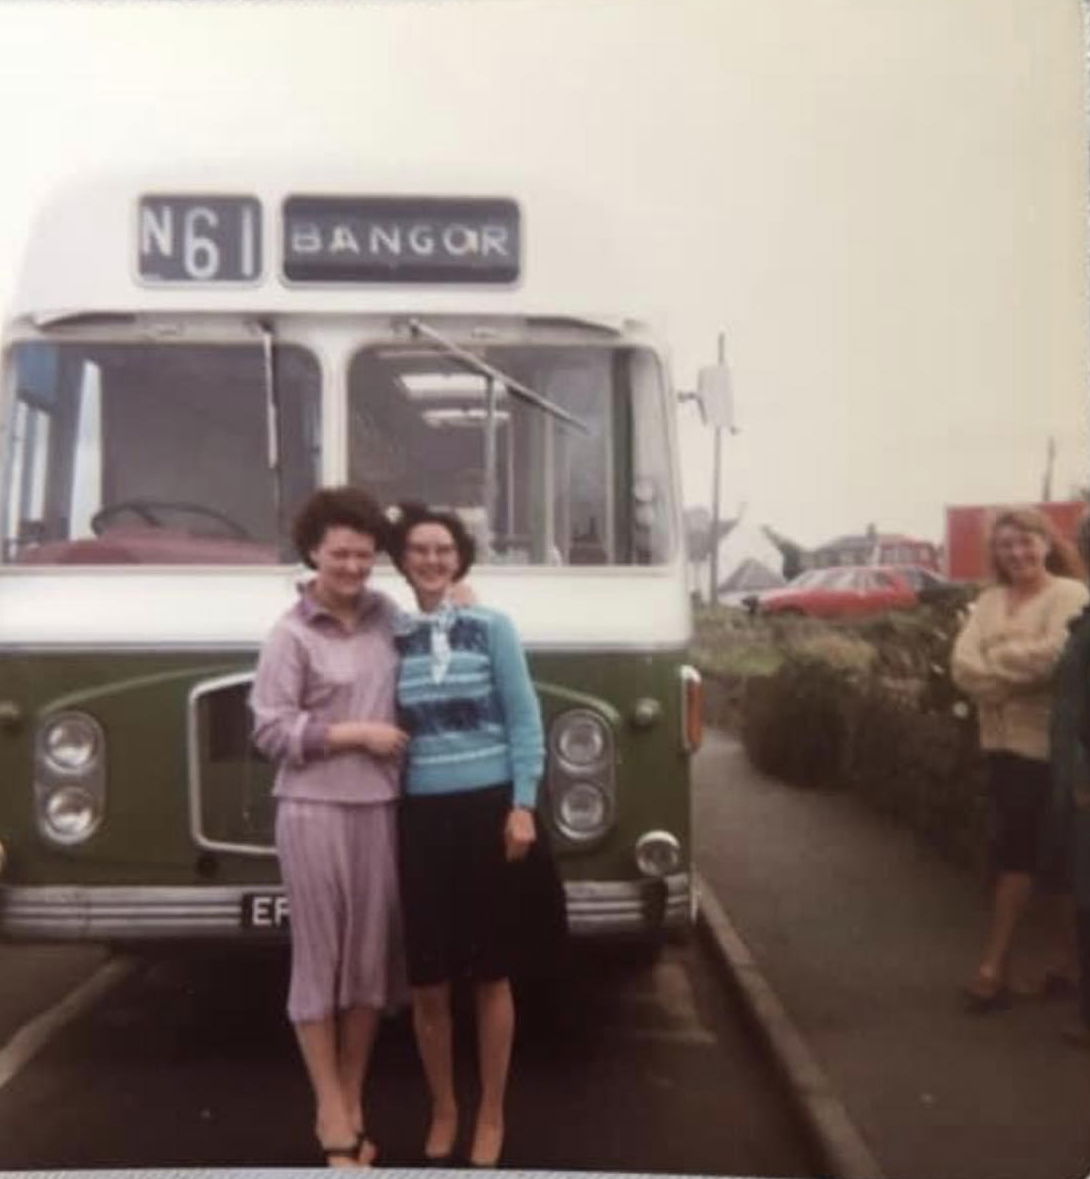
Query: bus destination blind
[216,238]
[199,239]
[401,240]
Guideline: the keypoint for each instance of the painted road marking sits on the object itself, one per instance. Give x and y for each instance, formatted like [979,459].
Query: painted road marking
[33,1036]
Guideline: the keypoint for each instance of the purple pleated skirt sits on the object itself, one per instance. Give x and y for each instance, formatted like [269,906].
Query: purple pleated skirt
[339,865]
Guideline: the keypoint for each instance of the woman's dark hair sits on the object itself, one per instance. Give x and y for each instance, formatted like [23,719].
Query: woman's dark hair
[1062,558]
[337,507]
[405,517]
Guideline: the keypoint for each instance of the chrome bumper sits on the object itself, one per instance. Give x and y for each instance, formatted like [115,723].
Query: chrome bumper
[605,908]
[58,912]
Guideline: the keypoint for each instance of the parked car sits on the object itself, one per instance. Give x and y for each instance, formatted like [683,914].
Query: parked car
[852,590]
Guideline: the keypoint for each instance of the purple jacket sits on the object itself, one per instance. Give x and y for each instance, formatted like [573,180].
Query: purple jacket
[313,673]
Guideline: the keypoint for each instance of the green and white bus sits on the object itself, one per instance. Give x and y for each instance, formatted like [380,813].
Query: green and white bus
[184,362]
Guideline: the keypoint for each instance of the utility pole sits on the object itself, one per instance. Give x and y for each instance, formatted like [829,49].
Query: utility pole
[1050,459]
[717,458]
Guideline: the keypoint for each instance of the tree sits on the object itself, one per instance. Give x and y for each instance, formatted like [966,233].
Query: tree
[789,550]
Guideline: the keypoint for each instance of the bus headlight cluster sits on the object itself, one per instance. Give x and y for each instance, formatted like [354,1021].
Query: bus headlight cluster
[70,743]
[70,777]
[70,813]
[581,788]
[580,740]
[583,810]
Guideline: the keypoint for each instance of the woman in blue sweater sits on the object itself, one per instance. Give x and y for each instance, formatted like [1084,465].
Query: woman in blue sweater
[476,756]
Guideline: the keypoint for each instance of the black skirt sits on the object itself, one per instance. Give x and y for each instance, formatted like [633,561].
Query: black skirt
[1019,790]
[468,912]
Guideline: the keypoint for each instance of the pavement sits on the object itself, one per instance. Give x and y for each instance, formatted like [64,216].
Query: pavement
[849,940]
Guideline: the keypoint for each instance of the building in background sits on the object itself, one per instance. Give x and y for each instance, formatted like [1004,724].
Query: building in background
[751,557]
[873,548]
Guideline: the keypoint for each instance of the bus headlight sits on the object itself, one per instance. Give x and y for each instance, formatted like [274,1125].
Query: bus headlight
[70,777]
[70,814]
[658,854]
[580,740]
[582,810]
[70,743]
[581,786]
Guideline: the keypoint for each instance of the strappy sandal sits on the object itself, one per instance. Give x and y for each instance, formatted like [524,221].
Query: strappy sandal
[353,1152]
[329,1153]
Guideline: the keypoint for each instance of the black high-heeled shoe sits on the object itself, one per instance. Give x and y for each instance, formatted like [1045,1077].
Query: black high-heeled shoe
[329,1153]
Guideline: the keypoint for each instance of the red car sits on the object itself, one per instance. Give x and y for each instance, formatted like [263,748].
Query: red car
[850,591]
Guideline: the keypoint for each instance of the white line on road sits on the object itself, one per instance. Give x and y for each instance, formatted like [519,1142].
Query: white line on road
[33,1036]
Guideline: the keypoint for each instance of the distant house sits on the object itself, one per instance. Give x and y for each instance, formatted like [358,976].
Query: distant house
[873,548]
[750,576]
[750,556]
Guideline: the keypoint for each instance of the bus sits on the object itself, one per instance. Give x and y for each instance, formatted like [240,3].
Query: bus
[183,363]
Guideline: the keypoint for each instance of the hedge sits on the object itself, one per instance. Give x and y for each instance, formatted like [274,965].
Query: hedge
[867,707]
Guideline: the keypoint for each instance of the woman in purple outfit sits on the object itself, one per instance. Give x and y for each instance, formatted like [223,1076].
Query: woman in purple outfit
[323,705]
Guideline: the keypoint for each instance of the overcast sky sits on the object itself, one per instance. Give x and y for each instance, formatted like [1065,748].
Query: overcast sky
[881,201]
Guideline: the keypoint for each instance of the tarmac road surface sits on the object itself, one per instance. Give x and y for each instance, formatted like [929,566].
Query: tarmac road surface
[188,1061]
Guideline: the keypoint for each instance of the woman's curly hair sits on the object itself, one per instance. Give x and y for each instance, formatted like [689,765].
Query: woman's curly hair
[337,507]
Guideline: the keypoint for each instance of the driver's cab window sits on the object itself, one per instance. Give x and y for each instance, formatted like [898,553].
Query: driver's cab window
[158,454]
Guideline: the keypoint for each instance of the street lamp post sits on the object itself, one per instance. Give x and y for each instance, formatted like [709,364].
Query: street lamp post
[717,459]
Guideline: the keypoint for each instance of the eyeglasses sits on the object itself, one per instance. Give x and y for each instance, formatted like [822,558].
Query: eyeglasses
[431,550]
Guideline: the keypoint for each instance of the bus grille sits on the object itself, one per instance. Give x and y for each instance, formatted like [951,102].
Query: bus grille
[231,804]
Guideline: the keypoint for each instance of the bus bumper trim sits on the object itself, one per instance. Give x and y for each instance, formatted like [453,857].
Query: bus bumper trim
[135,912]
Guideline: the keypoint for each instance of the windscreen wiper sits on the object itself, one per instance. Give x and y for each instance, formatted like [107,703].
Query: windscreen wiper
[272,423]
[420,328]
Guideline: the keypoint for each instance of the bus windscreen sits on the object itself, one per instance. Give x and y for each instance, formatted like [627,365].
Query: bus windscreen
[147,453]
[424,425]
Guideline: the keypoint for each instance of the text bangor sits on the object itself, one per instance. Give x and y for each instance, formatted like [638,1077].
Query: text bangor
[392,240]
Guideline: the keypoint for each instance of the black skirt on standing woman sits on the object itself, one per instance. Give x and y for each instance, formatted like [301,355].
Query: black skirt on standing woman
[468,911]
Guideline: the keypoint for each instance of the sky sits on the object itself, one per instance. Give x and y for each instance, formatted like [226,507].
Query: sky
[880,202]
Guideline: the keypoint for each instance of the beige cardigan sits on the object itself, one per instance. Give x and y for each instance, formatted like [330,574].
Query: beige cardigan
[1005,661]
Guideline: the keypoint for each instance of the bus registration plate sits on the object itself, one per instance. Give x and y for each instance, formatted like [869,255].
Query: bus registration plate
[264,910]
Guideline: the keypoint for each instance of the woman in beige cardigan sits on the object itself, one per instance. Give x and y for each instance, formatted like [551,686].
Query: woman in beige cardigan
[1004,659]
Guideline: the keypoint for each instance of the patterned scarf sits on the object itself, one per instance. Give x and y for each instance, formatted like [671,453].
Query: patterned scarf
[439,621]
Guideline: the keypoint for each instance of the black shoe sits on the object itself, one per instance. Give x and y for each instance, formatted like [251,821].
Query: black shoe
[976,1003]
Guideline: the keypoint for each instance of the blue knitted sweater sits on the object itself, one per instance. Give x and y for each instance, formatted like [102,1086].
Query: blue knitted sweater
[480,724]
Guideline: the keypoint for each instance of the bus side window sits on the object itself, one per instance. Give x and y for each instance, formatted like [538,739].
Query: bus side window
[650,486]
[35,374]
[87,463]
[31,460]
[43,451]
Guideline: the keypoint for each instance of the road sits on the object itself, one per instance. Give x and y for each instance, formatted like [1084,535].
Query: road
[188,1061]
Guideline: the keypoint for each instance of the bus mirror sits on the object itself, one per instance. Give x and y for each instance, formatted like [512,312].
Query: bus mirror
[36,374]
[713,391]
